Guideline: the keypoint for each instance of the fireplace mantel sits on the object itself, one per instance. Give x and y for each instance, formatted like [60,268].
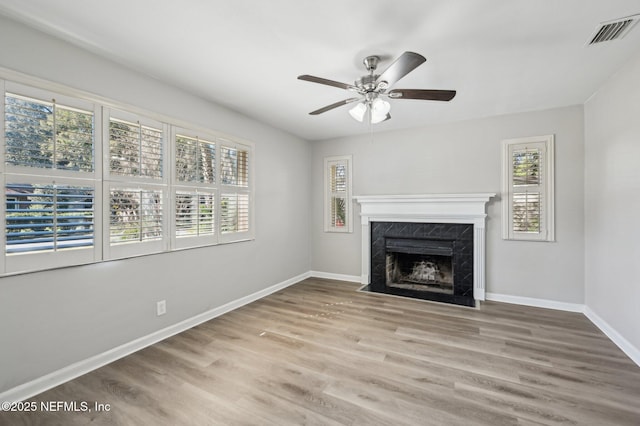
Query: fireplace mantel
[428,208]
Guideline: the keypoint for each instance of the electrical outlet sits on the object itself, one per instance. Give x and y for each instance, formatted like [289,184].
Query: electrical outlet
[161,307]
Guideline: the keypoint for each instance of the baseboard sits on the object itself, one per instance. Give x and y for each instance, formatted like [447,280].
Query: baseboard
[58,377]
[624,345]
[538,303]
[339,277]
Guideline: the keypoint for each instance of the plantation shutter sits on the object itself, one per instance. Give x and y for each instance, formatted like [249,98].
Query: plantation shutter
[136,215]
[135,149]
[529,189]
[235,202]
[48,217]
[337,194]
[195,160]
[235,166]
[47,134]
[234,213]
[195,214]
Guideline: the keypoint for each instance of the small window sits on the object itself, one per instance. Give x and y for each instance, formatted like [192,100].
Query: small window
[48,218]
[528,189]
[195,214]
[46,134]
[195,160]
[136,215]
[135,149]
[337,210]
[235,200]
[234,213]
[235,166]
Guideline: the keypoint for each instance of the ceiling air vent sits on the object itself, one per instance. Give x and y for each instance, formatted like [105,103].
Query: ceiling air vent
[614,30]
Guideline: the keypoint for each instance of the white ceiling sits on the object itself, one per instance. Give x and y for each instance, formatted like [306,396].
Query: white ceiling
[502,56]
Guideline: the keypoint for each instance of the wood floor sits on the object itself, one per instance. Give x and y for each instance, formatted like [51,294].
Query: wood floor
[322,353]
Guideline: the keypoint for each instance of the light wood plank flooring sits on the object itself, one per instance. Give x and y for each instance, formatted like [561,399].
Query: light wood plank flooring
[322,353]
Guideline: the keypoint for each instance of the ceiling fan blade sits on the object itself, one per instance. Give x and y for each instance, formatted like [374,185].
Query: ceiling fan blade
[402,66]
[335,105]
[327,82]
[426,95]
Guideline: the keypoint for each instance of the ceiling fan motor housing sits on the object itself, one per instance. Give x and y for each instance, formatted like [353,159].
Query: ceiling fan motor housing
[367,83]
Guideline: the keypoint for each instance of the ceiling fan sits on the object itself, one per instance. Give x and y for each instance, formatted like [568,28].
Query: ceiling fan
[373,88]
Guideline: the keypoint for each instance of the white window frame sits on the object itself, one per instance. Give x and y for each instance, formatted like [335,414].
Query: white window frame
[347,161]
[547,228]
[224,189]
[193,187]
[116,181]
[29,261]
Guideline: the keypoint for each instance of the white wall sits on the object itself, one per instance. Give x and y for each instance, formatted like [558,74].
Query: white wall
[612,203]
[466,157]
[51,319]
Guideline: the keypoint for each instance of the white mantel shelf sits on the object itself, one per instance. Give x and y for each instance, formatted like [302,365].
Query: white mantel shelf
[428,208]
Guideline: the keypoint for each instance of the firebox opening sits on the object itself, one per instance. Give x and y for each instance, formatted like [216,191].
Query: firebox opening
[420,272]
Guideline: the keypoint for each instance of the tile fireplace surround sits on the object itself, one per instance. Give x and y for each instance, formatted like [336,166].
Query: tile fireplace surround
[428,208]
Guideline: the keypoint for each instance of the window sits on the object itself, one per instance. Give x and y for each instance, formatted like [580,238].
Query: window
[195,160]
[135,149]
[49,180]
[234,213]
[48,217]
[195,214]
[195,190]
[528,189]
[84,182]
[136,185]
[47,134]
[235,201]
[337,209]
[136,216]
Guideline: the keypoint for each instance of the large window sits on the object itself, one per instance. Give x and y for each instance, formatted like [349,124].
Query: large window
[337,187]
[85,182]
[528,189]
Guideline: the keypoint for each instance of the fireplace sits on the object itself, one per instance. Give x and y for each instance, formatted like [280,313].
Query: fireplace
[432,261]
[425,246]
[419,264]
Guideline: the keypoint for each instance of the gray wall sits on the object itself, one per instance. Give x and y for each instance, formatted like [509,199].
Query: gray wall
[466,157]
[51,319]
[612,202]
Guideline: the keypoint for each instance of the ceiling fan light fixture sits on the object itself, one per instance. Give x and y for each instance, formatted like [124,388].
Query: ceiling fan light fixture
[358,111]
[379,110]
